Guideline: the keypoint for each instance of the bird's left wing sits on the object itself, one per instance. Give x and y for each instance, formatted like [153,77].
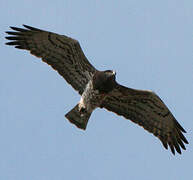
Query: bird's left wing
[147,110]
[63,53]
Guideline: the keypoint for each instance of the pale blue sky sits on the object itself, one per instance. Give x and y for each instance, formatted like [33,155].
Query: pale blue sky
[150,45]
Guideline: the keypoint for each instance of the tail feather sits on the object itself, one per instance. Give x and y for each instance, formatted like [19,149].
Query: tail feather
[78,118]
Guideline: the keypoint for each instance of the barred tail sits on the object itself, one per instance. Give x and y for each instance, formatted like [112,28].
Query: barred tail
[78,118]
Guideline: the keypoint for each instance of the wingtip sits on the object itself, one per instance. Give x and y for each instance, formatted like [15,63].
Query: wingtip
[18,29]
[7,43]
[25,25]
[173,151]
[31,28]
[13,28]
[180,127]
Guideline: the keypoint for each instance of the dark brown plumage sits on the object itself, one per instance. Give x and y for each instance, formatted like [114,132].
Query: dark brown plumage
[63,53]
[99,88]
[104,83]
[147,110]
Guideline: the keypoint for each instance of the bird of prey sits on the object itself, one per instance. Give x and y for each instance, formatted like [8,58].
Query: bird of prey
[99,89]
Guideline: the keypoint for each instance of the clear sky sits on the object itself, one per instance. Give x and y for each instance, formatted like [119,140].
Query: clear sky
[150,45]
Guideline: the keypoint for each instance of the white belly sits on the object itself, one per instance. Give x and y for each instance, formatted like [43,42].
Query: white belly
[90,99]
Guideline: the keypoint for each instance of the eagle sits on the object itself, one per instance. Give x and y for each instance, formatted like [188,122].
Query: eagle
[99,89]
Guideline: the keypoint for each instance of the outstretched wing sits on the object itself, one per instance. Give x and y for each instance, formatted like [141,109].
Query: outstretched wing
[147,110]
[63,53]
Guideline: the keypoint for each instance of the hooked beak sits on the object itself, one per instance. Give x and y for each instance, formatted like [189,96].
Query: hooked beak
[114,72]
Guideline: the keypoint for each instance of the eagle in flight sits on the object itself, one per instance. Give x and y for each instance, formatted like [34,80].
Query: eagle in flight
[99,88]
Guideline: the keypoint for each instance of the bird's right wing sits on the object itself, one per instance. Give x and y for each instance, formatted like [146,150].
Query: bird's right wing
[63,53]
[147,110]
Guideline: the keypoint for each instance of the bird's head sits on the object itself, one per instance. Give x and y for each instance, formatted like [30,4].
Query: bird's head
[104,81]
[110,73]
